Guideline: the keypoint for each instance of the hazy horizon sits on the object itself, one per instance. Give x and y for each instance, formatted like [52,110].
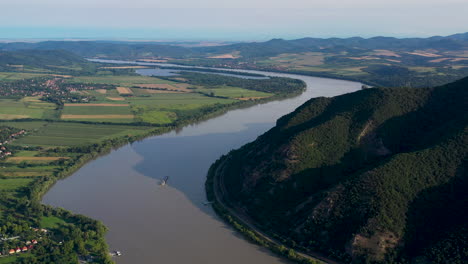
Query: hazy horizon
[240,20]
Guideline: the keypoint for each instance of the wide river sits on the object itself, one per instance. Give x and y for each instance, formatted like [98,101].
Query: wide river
[170,224]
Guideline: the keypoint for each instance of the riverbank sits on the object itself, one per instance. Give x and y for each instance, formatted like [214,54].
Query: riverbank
[247,227]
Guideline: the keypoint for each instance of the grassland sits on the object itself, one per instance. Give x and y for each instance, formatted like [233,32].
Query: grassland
[13,76]
[51,222]
[28,172]
[233,92]
[119,80]
[66,134]
[25,108]
[188,101]
[13,184]
[33,160]
[8,260]
[98,112]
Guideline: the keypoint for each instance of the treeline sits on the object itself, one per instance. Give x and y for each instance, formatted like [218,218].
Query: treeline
[275,85]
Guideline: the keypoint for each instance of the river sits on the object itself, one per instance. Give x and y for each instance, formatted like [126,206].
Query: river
[170,224]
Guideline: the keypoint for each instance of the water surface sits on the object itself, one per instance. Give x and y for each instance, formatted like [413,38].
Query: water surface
[169,224]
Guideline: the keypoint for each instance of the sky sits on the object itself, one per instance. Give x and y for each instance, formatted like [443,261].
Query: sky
[229,19]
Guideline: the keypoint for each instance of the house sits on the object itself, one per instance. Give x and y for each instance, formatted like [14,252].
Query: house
[30,247]
[28,242]
[18,250]
[24,249]
[34,241]
[12,251]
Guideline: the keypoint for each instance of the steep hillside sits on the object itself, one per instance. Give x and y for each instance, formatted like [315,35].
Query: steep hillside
[378,175]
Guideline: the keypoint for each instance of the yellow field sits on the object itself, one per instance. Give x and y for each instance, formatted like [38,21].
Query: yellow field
[124,90]
[224,56]
[101,91]
[97,116]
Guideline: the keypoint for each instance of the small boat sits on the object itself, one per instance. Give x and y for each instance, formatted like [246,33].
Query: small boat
[115,253]
[164,181]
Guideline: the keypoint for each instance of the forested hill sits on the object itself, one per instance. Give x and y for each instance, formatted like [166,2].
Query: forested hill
[41,60]
[379,175]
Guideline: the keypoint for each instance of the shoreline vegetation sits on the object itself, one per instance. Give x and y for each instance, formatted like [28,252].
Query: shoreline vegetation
[95,249]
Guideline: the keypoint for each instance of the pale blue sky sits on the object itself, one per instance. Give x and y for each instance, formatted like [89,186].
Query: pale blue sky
[228,19]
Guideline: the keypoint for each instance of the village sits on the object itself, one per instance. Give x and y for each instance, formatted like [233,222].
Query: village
[29,245]
[6,138]
[55,90]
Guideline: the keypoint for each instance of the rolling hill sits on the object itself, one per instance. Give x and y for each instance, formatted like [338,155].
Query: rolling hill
[375,176]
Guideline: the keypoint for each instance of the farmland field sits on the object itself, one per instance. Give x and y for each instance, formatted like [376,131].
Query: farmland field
[63,134]
[188,100]
[119,80]
[18,172]
[13,184]
[17,109]
[233,92]
[90,109]
[98,112]
[34,160]
[13,76]
[124,90]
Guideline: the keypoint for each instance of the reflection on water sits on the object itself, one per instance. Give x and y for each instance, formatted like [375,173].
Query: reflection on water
[151,223]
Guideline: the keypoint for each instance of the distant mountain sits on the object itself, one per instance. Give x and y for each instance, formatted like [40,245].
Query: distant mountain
[103,49]
[255,49]
[379,175]
[39,58]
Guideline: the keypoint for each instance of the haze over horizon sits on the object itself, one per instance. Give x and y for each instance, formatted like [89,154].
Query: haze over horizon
[229,20]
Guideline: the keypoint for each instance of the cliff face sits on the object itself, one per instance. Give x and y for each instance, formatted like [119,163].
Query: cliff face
[378,174]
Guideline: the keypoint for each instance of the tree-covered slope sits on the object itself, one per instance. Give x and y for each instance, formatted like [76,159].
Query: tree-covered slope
[54,60]
[378,175]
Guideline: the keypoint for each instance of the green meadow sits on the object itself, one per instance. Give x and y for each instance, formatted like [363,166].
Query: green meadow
[67,134]
[119,80]
[18,109]
[232,92]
